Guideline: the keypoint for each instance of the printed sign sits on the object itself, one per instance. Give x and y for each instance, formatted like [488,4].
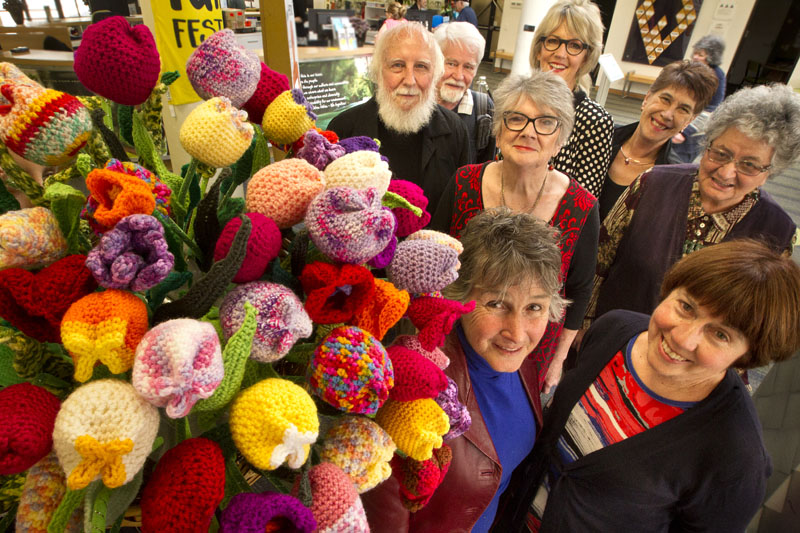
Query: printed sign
[333,85]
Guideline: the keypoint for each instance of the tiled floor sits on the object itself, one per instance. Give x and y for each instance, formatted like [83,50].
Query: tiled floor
[778,397]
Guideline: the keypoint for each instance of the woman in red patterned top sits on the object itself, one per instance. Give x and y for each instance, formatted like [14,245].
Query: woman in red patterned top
[533,119]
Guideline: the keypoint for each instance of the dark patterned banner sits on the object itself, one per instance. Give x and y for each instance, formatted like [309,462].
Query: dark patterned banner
[661,31]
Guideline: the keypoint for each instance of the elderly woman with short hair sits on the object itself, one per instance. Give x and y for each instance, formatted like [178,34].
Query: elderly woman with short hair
[754,134]
[533,119]
[653,430]
[511,268]
[568,42]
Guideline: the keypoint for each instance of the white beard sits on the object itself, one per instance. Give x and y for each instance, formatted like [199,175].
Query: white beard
[397,118]
[451,95]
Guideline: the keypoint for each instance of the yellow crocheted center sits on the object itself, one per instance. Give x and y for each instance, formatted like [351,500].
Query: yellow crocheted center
[99,458]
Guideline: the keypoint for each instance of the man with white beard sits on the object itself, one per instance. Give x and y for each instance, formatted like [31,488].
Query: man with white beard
[424,142]
[462,46]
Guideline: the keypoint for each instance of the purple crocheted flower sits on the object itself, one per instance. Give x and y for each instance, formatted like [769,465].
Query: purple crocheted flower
[318,150]
[251,513]
[460,420]
[132,256]
[362,142]
[383,259]
[297,96]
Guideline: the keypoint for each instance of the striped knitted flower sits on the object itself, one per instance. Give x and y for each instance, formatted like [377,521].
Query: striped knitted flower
[45,126]
[351,371]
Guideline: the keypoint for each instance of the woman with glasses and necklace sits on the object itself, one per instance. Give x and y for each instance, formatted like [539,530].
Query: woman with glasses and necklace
[533,119]
[673,210]
[568,43]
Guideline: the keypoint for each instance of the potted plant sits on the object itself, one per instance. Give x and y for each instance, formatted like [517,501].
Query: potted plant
[360,27]
[16,9]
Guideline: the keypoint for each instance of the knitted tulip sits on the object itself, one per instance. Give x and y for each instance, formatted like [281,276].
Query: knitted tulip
[411,342]
[36,303]
[414,376]
[122,189]
[318,151]
[134,255]
[438,237]
[45,486]
[45,126]
[351,371]
[27,416]
[222,67]
[273,422]
[29,238]
[408,222]
[421,266]
[329,135]
[416,427]
[420,479]
[335,502]
[336,293]
[177,363]
[248,512]
[383,310]
[104,430]
[361,448]
[270,85]
[283,190]
[354,144]
[349,225]
[185,489]
[117,61]
[10,73]
[281,318]
[434,318]
[288,117]
[104,326]
[216,133]
[263,245]
[457,412]
[359,170]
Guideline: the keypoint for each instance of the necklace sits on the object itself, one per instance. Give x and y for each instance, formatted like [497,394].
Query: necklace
[629,160]
[503,187]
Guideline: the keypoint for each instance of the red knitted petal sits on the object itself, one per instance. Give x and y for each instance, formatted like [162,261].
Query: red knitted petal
[327,301]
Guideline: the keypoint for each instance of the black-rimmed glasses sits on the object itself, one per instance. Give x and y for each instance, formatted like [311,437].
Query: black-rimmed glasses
[574,46]
[743,166]
[544,125]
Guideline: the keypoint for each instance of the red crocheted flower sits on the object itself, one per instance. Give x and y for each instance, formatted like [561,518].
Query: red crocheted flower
[336,293]
[420,479]
[27,417]
[415,377]
[434,318]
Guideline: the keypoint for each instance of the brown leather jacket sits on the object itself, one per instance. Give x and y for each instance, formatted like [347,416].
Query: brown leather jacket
[474,474]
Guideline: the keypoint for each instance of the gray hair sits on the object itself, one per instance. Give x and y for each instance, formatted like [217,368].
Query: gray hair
[582,17]
[461,34]
[503,248]
[546,90]
[407,30]
[767,113]
[714,47]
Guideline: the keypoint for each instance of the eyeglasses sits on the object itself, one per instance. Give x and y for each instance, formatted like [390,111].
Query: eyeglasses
[745,167]
[574,46]
[544,125]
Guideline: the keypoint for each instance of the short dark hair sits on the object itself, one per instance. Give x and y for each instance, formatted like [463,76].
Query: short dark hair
[697,78]
[753,289]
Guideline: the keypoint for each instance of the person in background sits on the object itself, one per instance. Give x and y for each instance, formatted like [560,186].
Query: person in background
[653,430]
[462,46]
[687,145]
[300,17]
[533,118]
[568,43]
[672,211]
[465,13]
[395,13]
[511,268]
[419,5]
[424,142]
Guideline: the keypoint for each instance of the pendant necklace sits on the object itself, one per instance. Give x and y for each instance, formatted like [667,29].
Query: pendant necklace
[629,160]
[538,195]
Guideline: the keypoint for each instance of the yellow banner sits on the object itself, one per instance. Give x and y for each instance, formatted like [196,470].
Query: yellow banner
[181,25]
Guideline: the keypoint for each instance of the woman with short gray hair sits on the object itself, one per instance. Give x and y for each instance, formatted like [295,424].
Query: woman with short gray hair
[533,119]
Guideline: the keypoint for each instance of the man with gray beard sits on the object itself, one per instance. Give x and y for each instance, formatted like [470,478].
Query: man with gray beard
[424,142]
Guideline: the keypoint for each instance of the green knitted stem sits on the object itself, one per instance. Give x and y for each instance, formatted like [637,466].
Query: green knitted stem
[95,146]
[99,509]
[234,357]
[66,204]
[7,200]
[111,140]
[125,117]
[151,115]
[186,185]
[19,179]
[171,227]
[63,176]
[391,199]
[206,224]
[71,500]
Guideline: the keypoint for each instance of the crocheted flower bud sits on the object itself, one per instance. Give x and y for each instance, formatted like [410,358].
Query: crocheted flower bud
[411,342]
[335,502]
[270,85]
[420,479]
[27,416]
[361,142]
[408,222]
[263,245]
[434,317]
[248,512]
[414,376]
[416,427]
[288,117]
[273,422]
[336,293]
[29,238]
[384,310]
[216,133]
[45,486]
[318,150]
[421,266]
[283,190]
[359,170]
[222,67]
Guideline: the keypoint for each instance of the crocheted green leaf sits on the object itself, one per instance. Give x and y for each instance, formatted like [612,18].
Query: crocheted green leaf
[168,78]
[261,155]
[7,200]
[173,281]
[98,120]
[206,224]
[8,376]
[84,164]
[20,179]
[234,357]
[232,207]
[66,203]
[8,519]
[125,117]
[391,199]
[207,289]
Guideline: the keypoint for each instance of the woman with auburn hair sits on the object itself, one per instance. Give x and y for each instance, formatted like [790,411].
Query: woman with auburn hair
[653,427]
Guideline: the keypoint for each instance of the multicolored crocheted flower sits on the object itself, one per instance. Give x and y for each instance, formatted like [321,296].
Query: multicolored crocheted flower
[29,238]
[420,479]
[457,412]
[351,371]
[318,151]
[336,293]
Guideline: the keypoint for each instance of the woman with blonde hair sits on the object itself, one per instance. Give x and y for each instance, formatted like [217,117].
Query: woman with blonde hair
[395,14]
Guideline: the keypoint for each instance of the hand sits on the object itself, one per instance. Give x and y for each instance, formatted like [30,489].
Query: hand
[553,376]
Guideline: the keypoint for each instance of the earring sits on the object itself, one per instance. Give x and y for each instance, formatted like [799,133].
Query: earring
[550,165]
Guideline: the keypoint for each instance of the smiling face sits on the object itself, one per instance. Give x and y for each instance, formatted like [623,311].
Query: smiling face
[665,113]
[460,68]
[505,328]
[722,186]
[559,61]
[407,72]
[701,56]
[687,346]
[526,147]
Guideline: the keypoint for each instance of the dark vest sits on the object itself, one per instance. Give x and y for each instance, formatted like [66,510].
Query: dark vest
[654,240]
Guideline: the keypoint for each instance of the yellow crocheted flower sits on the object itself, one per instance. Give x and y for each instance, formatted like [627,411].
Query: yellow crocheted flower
[416,427]
[216,133]
[287,119]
